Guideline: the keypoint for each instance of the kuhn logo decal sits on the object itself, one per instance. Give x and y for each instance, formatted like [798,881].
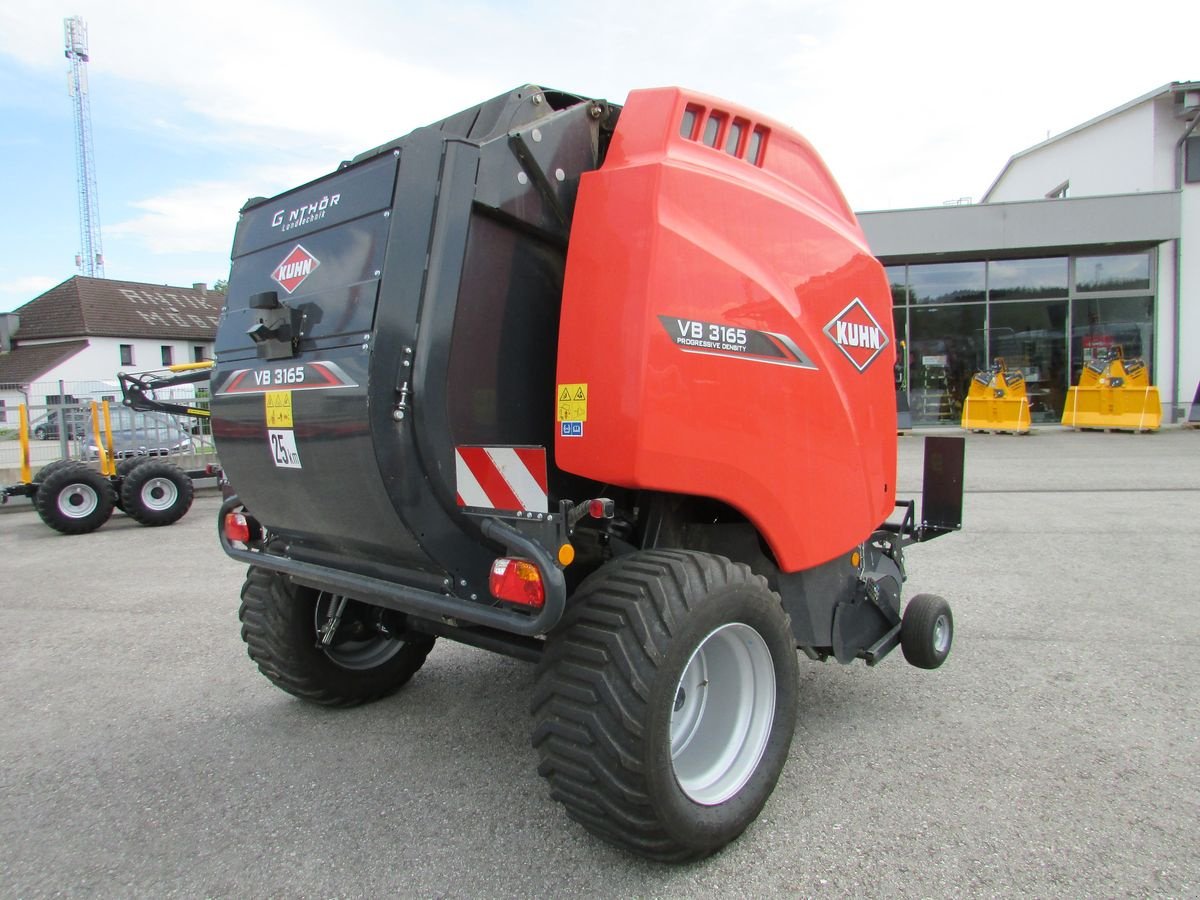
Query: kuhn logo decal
[857,334]
[297,266]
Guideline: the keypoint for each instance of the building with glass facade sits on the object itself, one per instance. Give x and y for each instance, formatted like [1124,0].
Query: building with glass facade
[1087,242]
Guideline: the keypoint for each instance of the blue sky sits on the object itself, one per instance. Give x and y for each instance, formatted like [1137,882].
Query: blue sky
[911,104]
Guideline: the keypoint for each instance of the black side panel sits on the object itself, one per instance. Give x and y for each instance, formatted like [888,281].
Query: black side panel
[942,490]
[426,281]
[507,310]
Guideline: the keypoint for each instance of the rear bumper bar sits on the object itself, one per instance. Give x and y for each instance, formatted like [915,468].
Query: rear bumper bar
[416,601]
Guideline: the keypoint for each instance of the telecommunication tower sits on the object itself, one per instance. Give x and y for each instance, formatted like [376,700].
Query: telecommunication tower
[90,259]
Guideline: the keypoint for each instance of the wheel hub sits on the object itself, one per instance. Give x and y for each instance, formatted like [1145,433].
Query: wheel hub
[78,501]
[941,634]
[159,493]
[722,715]
[355,643]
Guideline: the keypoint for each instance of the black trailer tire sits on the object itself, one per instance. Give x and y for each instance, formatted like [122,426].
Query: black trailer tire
[75,500]
[665,703]
[156,493]
[280,623]
[124,467]
[926,631]
[127,465]
[50,468]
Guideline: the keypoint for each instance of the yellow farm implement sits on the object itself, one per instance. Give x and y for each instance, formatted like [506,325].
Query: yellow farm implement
[1113,393]
[996,401]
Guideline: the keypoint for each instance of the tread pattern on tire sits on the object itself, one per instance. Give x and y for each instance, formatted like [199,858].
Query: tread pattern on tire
[593,688]
[277,626]
[46,499]
[136,479]
[917,624]
[50,468]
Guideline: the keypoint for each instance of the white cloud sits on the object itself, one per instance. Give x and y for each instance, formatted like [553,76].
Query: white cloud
[17,291]
[910,103]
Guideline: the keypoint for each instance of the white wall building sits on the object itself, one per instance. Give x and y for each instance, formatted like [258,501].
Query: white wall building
[69,343]
[1086,241]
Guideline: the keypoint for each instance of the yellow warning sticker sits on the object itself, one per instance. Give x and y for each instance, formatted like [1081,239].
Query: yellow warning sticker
[279,409]
[572,403]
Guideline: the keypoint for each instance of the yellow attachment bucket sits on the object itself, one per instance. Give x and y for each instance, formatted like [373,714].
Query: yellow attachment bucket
[996,401]
[1114,393]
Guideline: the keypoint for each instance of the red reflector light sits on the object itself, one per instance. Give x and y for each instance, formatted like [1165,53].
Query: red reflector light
[601,508]
[517,581]
[237,528]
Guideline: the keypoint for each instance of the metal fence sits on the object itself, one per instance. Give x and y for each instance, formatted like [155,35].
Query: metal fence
[60,425]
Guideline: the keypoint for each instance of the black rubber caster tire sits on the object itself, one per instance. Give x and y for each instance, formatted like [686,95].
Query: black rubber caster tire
[926,631]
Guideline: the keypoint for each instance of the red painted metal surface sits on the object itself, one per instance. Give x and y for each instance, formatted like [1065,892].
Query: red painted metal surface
[710,310]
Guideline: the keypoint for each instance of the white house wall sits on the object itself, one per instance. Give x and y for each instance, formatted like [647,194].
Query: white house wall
[1111,156]
[92,372]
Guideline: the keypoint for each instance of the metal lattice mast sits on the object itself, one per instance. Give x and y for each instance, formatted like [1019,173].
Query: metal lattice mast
[90,260]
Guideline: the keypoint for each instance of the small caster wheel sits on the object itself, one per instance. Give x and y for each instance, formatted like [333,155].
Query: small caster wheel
[926,631]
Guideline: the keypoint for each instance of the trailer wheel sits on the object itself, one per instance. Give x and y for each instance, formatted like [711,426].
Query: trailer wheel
[124,467]
[50,468]
[280,625]
[665,702]
[926,631]
[74,499]
[156,493]
[127,465]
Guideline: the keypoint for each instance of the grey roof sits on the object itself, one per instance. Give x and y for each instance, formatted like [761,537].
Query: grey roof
[101,307]
[23,365]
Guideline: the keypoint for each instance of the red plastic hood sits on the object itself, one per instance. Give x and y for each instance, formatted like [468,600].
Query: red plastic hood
[725,330]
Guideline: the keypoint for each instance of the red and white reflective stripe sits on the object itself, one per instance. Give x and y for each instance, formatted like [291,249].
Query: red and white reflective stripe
[507,478]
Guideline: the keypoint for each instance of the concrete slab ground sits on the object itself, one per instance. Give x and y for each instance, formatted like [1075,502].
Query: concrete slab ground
[1056,754]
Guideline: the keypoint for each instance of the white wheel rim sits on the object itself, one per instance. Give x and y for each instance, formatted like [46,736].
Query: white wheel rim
[159,494]
[723,712]
[941,634]
[78,501]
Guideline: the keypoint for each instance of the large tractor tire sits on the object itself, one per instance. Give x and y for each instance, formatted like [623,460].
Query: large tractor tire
[156,493]
[281,624]
[74,499]
[666,701]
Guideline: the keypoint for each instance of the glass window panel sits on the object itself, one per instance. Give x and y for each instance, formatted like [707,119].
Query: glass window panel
[1191,169]
[1098,324]
[1128,272]
[1032,339]
[1025,279]
[946,282]
[946,348]
[900,321]
[711,128]
[896,280]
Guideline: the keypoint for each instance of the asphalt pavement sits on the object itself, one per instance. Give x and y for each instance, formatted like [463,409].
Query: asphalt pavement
[1057,753]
